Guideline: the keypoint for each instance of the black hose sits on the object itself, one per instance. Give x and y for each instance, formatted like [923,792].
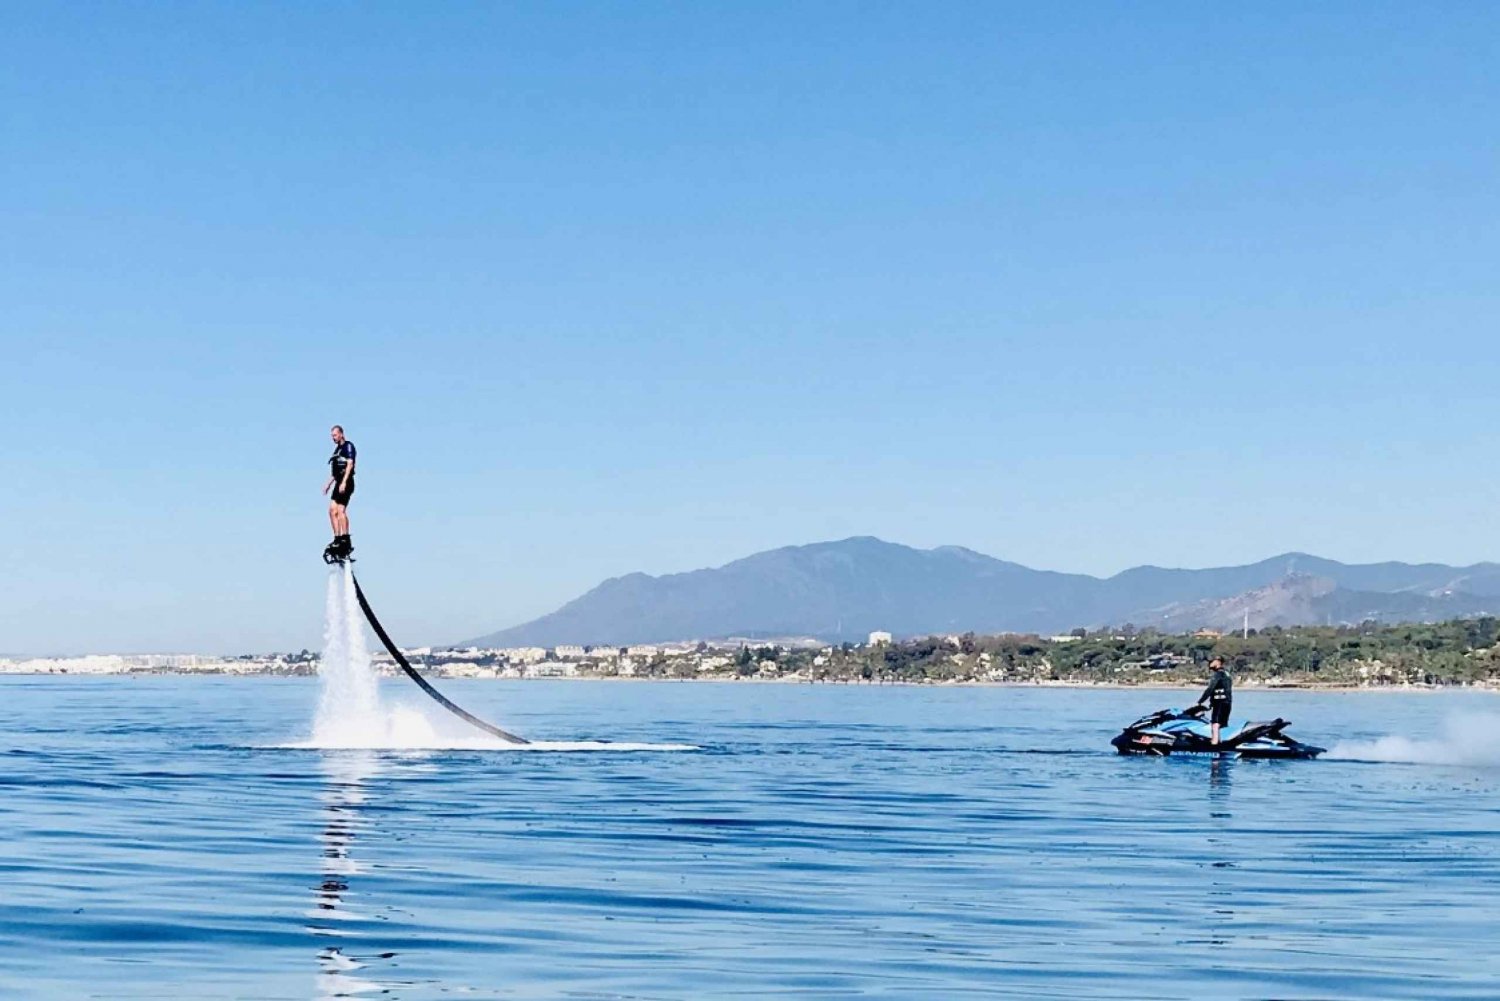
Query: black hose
[422,682]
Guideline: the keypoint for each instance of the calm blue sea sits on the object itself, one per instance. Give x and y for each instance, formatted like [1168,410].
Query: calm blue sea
[823,842]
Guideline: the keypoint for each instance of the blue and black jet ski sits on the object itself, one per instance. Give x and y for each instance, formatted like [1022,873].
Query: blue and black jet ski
[1184,731]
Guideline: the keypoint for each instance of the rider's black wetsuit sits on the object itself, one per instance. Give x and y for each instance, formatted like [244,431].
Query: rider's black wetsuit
[1219,695]
[343,454]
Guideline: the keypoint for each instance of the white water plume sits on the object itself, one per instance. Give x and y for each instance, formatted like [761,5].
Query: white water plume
[349,712]
[1469,738]
[352,716]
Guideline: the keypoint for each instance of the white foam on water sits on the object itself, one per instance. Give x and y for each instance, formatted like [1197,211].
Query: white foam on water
[351,715]
[1467,739]
[433,742]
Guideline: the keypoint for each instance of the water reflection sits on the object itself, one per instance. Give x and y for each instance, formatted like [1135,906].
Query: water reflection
[1220,771]
[333,920]
[1219,845]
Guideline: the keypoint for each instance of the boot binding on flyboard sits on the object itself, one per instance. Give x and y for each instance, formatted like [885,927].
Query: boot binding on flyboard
[340,550]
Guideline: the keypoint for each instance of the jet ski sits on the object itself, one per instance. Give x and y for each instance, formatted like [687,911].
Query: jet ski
[1184,731]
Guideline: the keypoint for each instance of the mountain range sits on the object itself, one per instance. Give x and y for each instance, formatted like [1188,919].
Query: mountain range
[837,591]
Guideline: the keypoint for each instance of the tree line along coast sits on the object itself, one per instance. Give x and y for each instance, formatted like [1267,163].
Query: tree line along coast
[1464,652]
[1455,653]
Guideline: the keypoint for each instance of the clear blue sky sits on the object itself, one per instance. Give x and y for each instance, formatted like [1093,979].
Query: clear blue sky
[598,288]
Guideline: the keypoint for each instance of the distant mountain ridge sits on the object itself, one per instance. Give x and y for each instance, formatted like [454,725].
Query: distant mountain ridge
[843,590]
[1300,599]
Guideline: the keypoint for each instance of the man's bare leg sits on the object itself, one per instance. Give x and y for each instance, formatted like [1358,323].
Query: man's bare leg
[1213,729]
[333,517]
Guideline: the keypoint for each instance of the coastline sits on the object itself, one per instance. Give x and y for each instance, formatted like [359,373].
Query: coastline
[1245,685]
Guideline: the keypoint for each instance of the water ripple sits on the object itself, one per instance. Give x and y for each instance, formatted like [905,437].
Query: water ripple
[822,843]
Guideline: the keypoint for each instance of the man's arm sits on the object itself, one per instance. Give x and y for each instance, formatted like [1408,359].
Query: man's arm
[348,472]
[328,485]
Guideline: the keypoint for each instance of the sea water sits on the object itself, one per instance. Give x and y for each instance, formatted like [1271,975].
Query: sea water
[189,838]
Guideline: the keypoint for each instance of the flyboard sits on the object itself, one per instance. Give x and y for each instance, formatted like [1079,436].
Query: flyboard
[411,672]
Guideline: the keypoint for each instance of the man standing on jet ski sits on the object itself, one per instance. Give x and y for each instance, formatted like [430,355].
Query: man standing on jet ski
[341,482]
[1219,695]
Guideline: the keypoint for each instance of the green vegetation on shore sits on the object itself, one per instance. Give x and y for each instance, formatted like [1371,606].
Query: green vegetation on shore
[1460,652]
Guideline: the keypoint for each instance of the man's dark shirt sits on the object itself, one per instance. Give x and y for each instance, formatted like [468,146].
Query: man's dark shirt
[343,454]
[1220,688]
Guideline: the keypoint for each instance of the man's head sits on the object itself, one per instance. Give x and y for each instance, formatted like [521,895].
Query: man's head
[337,434]
[1216,664]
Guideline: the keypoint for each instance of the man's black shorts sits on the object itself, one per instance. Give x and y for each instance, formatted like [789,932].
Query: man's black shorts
[342,496]
[1219,713]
